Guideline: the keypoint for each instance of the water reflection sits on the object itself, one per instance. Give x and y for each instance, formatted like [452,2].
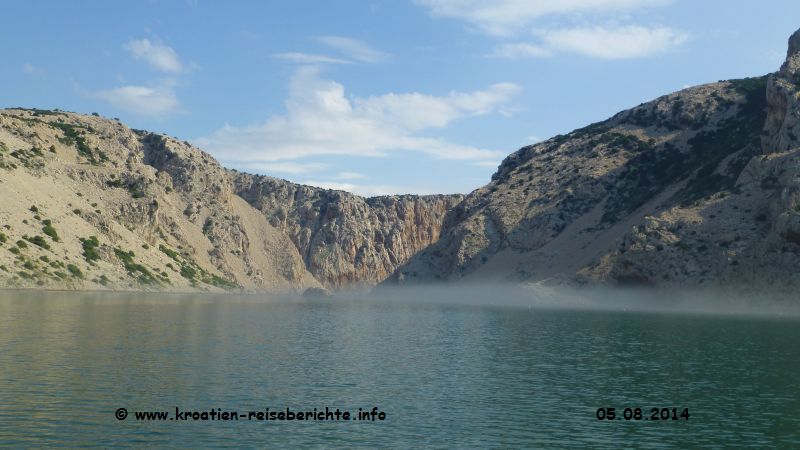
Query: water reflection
[445,375]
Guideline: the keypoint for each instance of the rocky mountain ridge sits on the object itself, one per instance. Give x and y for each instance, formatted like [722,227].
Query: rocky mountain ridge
[696,188]
[91,204]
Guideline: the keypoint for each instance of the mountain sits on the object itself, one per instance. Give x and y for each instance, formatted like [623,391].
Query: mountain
[88,203]
[696,188]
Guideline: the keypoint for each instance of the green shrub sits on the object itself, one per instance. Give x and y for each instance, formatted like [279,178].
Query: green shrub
[14,250]
[188,272]
[50,231]
[72,137]
[33,208]
[3,238]
[37,240]
[169,252]
[143,275]
[74,270]
[135,188]
[90,248]
[221,282]
[21,244]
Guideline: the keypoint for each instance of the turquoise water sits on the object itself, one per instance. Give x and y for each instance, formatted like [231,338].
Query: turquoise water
[445,376]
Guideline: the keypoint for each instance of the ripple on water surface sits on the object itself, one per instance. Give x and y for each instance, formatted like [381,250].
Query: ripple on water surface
[446,376]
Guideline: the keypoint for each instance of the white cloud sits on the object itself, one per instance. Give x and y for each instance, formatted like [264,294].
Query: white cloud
[624,42]
[156,101]
[614,43]
[293,168]
[416,111]
[28,68]
[509,18]
[354,49]
[350,176]
[365,190]
[520,50]
[321,120]
[159,56]
[492,164]
[308,58]
[506,17]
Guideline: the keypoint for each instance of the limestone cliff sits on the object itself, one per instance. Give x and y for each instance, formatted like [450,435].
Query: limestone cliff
[88,203]
[344,239]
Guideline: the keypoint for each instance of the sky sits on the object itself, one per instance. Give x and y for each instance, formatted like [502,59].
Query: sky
[376,97]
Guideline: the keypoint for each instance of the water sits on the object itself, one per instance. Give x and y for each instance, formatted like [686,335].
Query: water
[446,376]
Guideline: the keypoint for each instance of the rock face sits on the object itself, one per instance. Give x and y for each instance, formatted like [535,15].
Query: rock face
[699,187]
[88,203]
[346,240]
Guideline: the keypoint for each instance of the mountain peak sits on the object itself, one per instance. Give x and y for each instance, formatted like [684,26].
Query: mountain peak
[794,44]
[792,65]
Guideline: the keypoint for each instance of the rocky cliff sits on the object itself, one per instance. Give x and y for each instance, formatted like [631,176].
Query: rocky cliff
[346,240]
[699,187]
[88,203]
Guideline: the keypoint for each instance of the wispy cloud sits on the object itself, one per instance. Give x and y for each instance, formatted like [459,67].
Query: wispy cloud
[366,190]
[614,43]
[155,99]
[606,30]
[507,17]
[321,120]
[354,49]
[625,42]
[287,167]
[159,56]
[309,58]
[28,68]
[350,176]
[520,50]
[159,100]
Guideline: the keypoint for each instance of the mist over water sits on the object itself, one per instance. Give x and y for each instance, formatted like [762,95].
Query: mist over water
[713,301]
[455,367]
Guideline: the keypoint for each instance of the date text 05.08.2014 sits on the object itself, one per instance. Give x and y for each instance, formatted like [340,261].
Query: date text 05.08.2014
[640,414]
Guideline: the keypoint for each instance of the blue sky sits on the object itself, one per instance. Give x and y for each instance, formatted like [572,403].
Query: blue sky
[376,97]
